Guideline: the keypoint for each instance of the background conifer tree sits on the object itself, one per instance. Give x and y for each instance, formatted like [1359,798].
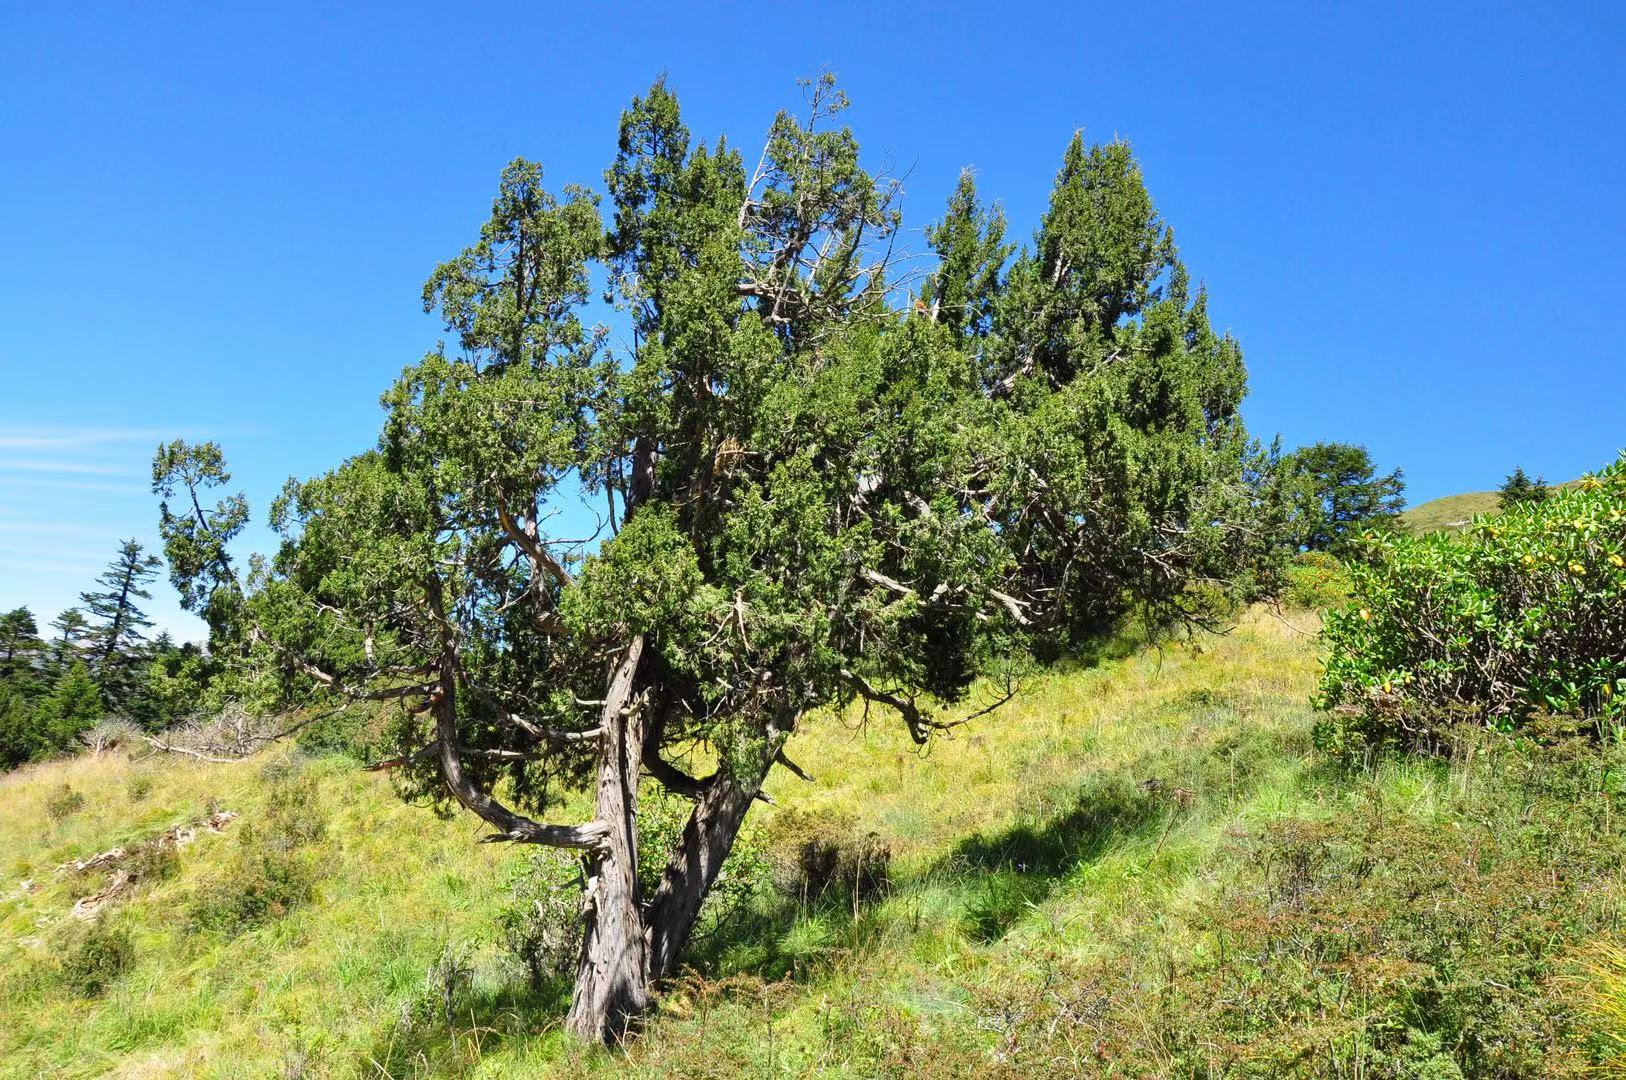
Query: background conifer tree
[1520,490]
[21,650]
[117,624]
[1337,494]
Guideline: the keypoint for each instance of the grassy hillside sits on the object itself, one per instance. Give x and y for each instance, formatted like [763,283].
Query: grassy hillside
[1450,511]
[1137,868]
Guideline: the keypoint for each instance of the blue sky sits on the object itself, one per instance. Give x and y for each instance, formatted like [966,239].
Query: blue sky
[216,224]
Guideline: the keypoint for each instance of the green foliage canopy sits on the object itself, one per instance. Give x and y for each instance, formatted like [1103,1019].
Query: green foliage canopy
[1519,489]
[118,625]
[806,494]
[195,539]
[1336,494]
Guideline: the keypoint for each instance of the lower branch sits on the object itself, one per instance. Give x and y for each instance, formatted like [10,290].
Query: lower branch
[510,826]
[796,770]
[920,726]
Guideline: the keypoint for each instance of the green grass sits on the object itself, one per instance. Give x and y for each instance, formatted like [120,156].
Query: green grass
[1066,873]
[1452,512]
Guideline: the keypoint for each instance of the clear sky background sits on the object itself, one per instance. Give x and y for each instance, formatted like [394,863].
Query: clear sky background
[215,223]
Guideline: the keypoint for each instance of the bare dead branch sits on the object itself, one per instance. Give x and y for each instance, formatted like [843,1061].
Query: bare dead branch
[170,748]
[541,560]
[795,769]
[878,578]
[1012,605]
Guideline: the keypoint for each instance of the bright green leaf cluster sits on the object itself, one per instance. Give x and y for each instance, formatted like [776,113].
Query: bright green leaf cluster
[1522,613]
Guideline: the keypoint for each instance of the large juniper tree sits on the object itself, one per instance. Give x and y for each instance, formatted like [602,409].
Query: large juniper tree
[806,494]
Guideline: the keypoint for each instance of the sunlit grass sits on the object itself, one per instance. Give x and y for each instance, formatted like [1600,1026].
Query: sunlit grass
[325,985]
[1096,816]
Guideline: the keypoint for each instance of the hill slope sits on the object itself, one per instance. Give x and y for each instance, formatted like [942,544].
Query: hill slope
[1052,888]
[1452,512]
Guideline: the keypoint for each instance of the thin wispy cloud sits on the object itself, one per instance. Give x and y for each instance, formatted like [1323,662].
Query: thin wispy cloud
[75,438]
[51,528]
[43,453]
[89,468]
[13,551]
[55,483]
[69,493]
[85,570]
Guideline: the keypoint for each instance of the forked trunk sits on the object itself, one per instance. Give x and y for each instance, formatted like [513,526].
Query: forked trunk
[627,946]
[612,979]
[707,839]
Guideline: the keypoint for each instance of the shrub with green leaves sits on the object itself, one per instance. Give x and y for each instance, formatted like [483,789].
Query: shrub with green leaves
[540,926]
[1516,616]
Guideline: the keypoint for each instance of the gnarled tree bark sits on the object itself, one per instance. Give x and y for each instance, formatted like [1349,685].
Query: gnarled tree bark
[612,978]
[707,839]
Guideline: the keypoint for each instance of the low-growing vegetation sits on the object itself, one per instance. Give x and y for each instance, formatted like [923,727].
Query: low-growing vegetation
[272,867]
[1427,926]
[1519,616]
[64,802]
[1316,581]
[94,956]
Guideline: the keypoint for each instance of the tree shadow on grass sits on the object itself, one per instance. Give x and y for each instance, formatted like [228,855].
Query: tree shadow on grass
[1007,873]
[999,877]
[780,936]
[1010,871]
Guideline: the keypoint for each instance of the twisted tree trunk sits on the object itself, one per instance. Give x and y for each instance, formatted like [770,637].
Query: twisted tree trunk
[627,945]
[707,839]
[612,977]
